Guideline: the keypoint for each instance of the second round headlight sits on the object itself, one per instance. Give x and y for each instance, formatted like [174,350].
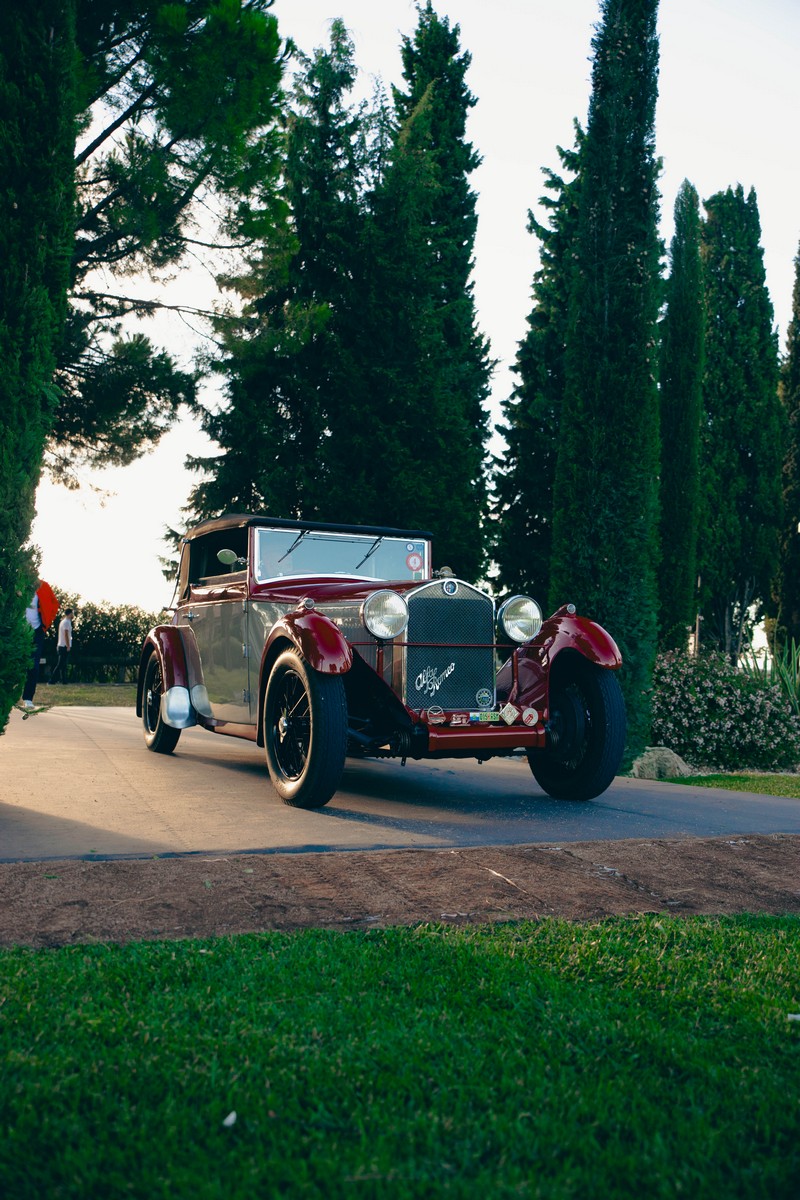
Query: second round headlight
[385,615]
[520,618]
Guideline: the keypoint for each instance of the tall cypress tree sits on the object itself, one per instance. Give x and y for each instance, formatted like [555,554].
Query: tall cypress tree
[431,364]
[681,391]
[743,430]
[523,482]
[606,485]
[788,587]
[37,138]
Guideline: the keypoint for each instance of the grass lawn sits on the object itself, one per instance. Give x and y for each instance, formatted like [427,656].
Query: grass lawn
[114,695]
[648,1057]
[768,785]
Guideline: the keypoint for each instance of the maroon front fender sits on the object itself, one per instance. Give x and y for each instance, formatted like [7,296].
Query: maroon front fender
[321,642]
[528,683]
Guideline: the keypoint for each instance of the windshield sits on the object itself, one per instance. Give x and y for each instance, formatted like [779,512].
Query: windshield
[280,552]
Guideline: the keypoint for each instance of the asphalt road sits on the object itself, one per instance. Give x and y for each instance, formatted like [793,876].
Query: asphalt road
[79,782]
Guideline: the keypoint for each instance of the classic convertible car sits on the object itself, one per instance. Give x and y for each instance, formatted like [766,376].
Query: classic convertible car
[321,641]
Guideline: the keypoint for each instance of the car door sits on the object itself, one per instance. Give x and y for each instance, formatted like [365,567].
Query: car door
[217,615]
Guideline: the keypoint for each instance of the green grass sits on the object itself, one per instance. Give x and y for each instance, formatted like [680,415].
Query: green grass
[115,695]
[765,785]
[641,1058]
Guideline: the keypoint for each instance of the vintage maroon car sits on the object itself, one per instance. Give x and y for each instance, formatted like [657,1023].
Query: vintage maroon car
[321,641]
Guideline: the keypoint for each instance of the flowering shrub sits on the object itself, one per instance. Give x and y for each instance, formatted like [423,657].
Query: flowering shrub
[715,716]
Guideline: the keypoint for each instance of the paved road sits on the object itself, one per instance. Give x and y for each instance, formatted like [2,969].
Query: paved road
[78,782]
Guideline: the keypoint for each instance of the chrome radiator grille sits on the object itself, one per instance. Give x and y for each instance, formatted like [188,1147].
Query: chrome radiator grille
[457,672]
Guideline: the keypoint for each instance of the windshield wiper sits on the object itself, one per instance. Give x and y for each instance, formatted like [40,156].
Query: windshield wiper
[369,553]
[295,543]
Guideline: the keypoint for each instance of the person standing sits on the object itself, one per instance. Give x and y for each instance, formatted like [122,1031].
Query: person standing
[63,648]
[39,614]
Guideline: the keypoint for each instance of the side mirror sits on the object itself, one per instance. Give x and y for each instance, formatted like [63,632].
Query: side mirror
[229,557]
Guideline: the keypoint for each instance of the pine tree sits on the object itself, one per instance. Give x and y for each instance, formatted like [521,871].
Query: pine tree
[788,588]
[176,106]
[606,485]
[523,480]
[743,429]
[283,357]
[37,136]
[681,390]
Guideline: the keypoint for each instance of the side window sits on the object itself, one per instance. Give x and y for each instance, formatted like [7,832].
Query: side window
[203,562]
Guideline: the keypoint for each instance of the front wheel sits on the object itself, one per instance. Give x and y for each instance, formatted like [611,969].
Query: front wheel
[158,736]
[305,731]
[587,730]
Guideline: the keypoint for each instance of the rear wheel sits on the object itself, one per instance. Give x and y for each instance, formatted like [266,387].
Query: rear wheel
[586,736]
[158,736]
[305,731]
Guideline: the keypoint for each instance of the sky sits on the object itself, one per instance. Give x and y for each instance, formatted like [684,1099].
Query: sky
[729,92]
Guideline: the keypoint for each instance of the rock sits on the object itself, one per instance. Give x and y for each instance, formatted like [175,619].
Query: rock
[659,762]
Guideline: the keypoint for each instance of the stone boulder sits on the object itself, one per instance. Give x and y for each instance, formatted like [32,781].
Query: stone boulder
[659,762]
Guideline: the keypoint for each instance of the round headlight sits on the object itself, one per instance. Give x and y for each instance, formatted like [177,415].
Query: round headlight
[385,615]
[520,618]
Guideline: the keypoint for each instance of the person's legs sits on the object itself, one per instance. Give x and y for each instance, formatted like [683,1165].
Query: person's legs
[60,669]
[33,674]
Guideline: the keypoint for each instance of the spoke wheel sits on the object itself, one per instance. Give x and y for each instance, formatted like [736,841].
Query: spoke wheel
[587,729]
[305,731]
[158,736]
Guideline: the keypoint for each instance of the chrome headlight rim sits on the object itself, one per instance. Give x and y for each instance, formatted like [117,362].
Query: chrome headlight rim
[379,620]
[519,619]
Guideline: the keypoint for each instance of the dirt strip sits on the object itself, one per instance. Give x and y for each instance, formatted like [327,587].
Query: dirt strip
[73,902]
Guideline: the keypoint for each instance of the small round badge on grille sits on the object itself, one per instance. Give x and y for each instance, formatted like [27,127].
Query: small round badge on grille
[449,587]
[484,698]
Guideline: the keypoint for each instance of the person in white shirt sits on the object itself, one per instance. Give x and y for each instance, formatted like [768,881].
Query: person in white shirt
[63,648]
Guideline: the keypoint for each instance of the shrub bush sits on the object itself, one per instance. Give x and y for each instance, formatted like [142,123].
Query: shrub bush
[716,716]
[105,637]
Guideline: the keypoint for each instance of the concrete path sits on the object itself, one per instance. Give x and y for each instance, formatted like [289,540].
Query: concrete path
[79,782]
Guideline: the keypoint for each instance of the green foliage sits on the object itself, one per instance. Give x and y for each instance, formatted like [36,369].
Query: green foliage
[681,378]
[526,1059]
[714,715]
[37,47]
[743,430]
[177,104]
[781,668]
[605,526]
[788,582]
[104,636]
[523,481]
[357,375]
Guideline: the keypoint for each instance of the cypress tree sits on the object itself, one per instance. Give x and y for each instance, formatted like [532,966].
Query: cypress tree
[681,390]
[606,484]
[420,343]
[743,429]
[37,138]
[523,480]
[788,589]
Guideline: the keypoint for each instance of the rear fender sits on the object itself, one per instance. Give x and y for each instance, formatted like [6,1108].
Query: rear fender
[564,631]
[180,665]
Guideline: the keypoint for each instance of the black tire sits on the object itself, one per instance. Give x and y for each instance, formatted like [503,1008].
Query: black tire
[305,731]
[158,737]
[587,729]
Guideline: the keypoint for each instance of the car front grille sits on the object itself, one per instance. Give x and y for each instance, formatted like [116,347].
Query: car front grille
[455,669]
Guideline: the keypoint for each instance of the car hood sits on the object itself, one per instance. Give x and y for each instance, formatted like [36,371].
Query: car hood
[328,589]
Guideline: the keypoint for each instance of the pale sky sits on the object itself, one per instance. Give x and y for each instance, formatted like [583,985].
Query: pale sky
[729,94]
